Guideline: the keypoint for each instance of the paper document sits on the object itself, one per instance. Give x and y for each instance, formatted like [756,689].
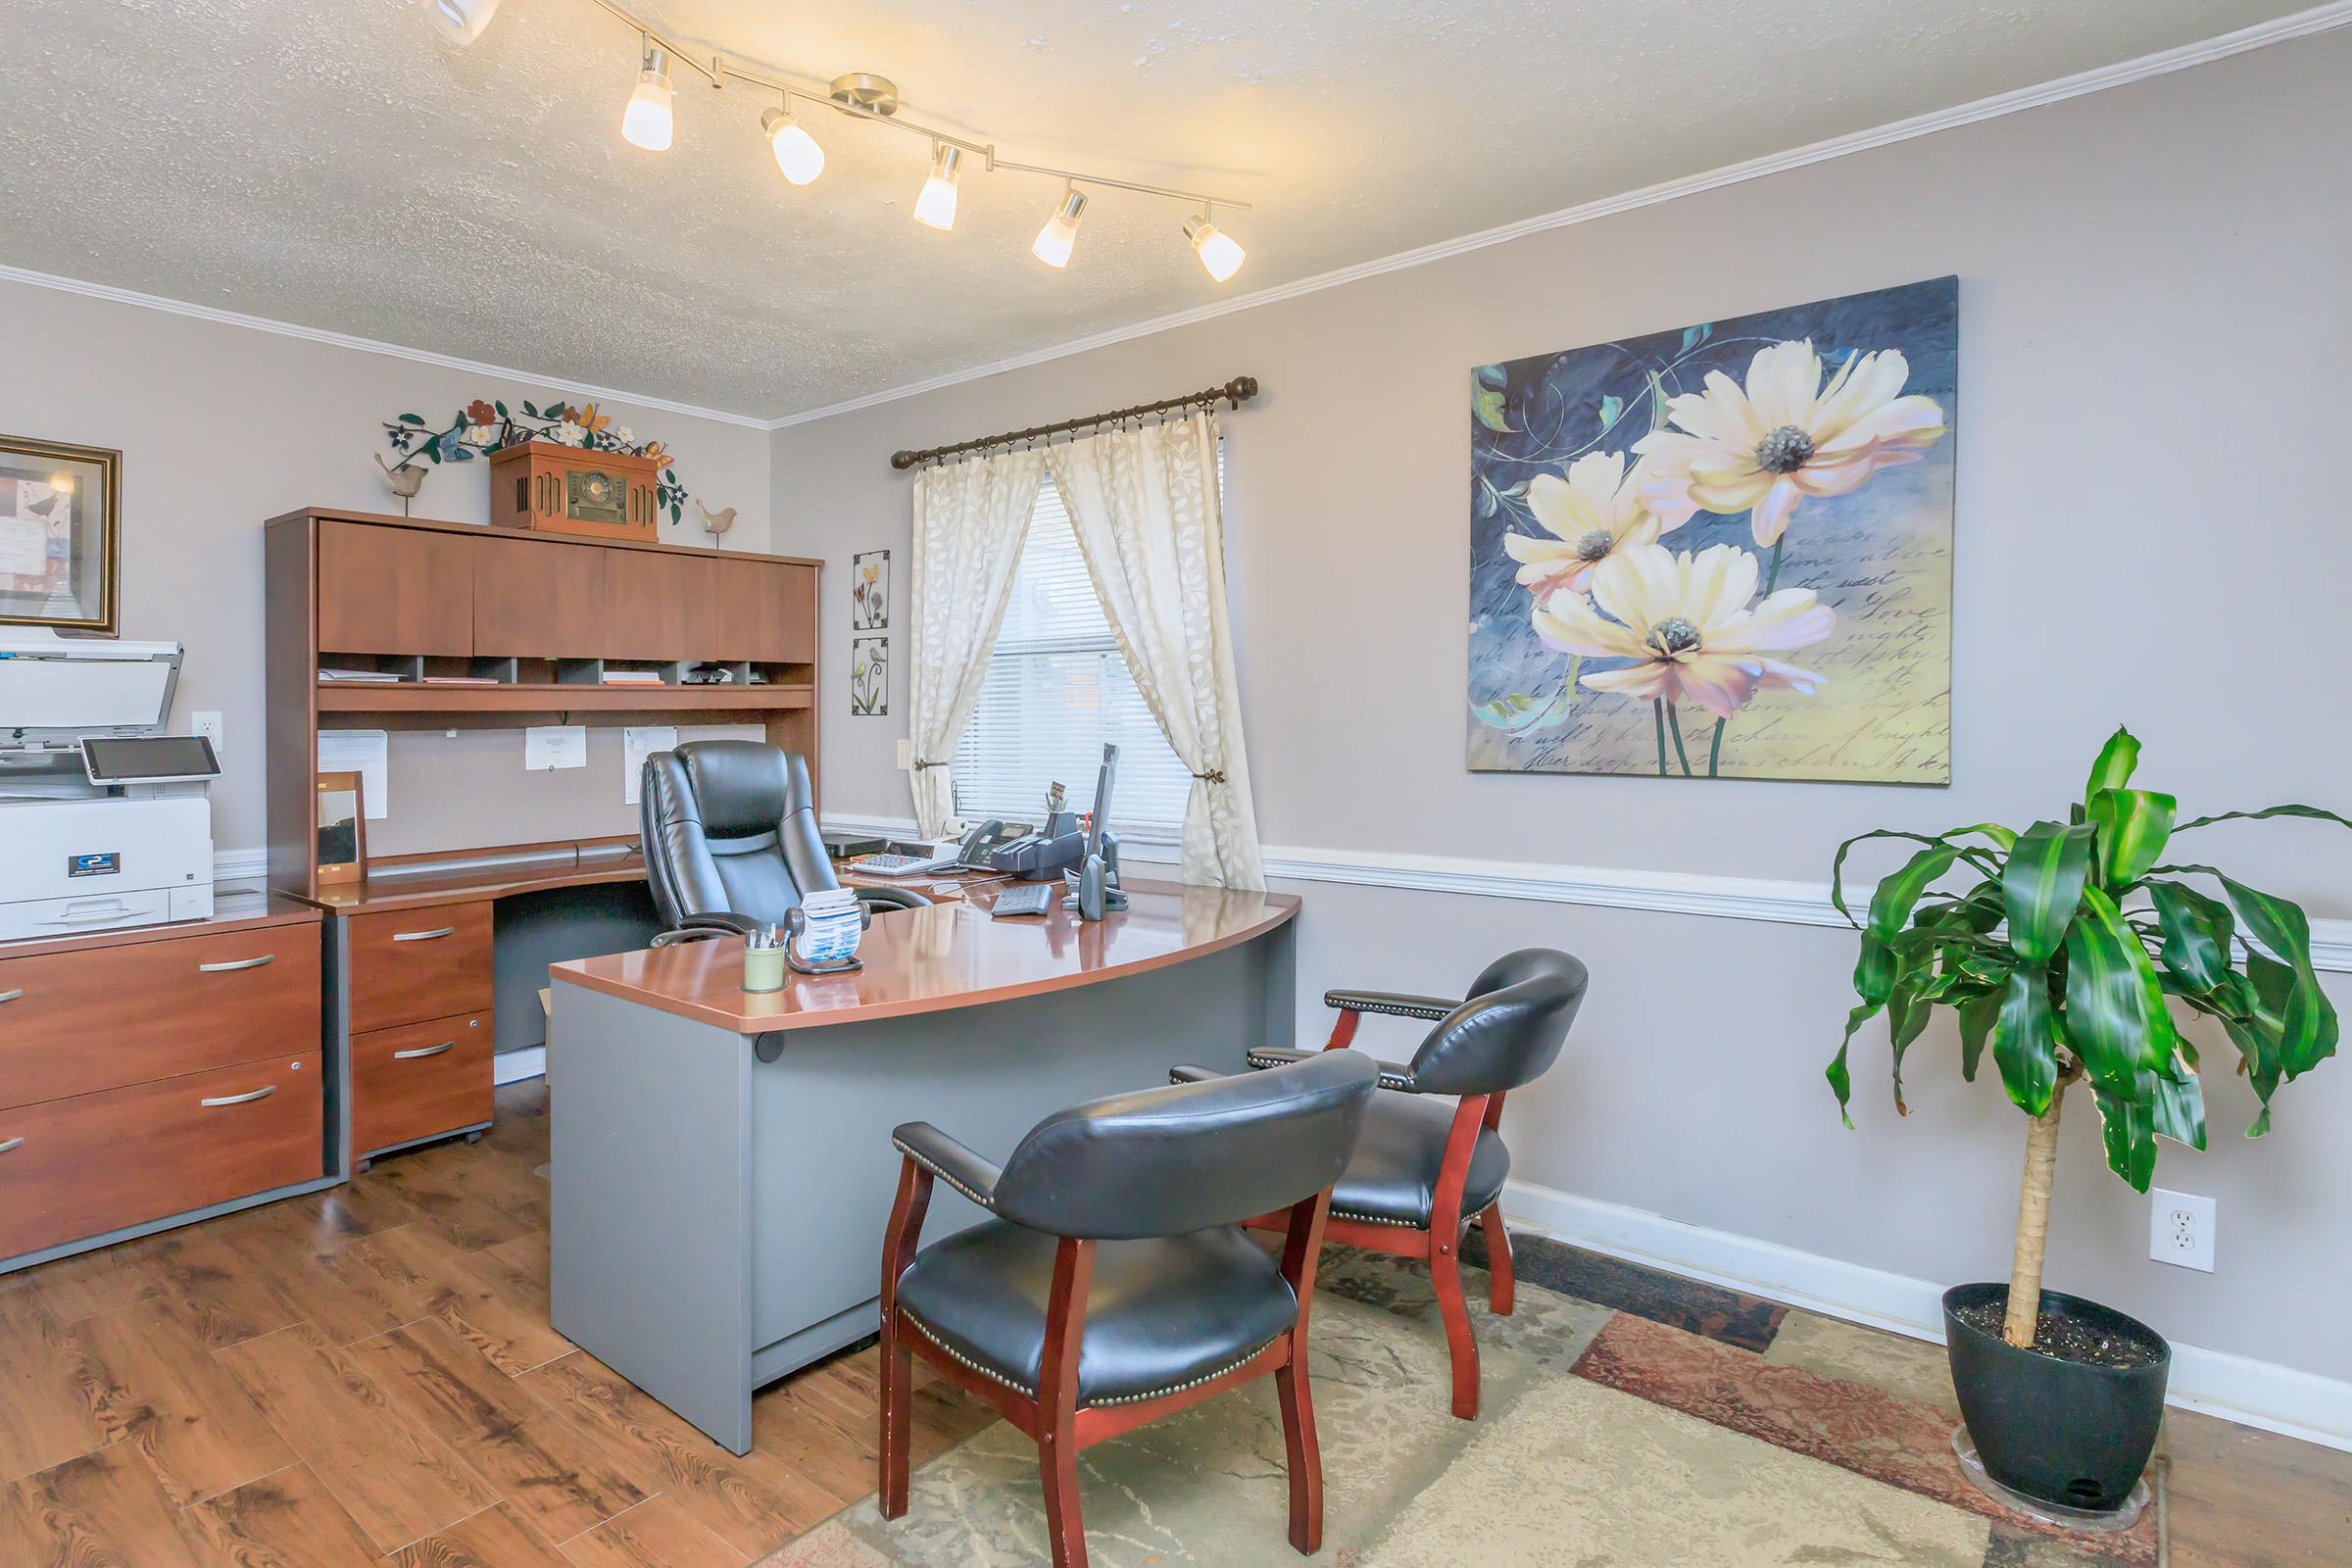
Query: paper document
[637,743]
[552,745]
[367,753]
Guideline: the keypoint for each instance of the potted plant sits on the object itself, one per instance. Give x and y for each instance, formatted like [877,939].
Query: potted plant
[2061,950]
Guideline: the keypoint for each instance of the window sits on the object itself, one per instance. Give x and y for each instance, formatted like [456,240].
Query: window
[1058,691]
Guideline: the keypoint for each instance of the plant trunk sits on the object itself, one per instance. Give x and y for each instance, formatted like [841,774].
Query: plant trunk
[2033,1224]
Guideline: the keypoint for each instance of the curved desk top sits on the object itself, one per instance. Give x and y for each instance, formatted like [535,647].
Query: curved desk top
[948,956]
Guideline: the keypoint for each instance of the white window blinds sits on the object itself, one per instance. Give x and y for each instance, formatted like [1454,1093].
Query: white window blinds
[1056,691]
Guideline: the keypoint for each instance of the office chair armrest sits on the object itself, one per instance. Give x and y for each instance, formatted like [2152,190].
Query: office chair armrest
[685,934]
[891,897]
[1195,1075]
[1390,1003]
[949,1160]
[720,922]
[1392,1076]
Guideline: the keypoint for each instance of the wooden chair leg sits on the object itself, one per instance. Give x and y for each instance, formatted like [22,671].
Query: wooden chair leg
[1305,1456]
[1444,1271]
[1058,1466]
[897,1399]
[1500,1281]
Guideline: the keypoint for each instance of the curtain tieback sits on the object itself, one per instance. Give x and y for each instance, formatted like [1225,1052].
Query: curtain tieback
[920,765]
[1215,777]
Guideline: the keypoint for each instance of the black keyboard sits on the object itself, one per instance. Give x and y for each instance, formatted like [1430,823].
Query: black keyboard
[1023,898]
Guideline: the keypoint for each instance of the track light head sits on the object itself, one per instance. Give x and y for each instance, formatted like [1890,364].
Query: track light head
[936,206]
[1216,249]
[646,121]
[461,21]
[797,153]
[1055,240]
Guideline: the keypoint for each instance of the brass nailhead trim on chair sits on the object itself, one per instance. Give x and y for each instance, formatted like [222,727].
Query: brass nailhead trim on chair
[1390,1010]
[1026,1392]
[984,1202]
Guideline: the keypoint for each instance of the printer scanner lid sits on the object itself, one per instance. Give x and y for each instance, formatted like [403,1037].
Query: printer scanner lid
[60,689]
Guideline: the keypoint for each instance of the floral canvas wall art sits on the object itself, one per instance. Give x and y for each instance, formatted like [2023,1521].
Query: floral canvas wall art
[1723,551]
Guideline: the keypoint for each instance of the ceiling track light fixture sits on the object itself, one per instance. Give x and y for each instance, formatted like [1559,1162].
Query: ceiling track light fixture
[649,122]
[1053,243]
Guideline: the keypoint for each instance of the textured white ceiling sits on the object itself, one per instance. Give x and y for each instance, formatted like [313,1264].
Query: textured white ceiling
[331,163]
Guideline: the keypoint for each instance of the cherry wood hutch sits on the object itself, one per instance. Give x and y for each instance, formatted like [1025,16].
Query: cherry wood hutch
[541,618]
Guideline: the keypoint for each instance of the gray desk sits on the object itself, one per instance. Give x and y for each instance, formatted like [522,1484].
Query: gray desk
[722,1163]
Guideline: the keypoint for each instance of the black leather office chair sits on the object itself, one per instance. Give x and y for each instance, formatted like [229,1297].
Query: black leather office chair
[1110,1284]
[1424,1169]
[731,841]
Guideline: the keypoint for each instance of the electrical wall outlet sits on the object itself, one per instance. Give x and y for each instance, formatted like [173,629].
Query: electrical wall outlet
[906,753]
[207,725]
[2181,1229]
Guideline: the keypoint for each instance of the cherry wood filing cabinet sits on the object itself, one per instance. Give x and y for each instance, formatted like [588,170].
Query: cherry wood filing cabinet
[537,616]
[160,1074]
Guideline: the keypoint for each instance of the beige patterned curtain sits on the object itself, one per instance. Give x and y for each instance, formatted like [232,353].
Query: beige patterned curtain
[1145,505]
[969,520]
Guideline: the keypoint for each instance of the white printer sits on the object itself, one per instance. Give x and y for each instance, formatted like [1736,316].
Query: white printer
[104,820]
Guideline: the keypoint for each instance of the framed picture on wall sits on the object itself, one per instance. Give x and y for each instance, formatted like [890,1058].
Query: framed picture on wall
[869,677]
[59,535]
[869,591]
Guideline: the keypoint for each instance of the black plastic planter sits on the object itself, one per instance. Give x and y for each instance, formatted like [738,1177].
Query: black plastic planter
[2064,1431]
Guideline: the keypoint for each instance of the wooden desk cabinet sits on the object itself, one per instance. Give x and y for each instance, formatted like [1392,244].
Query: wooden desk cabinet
[150,1076]
[533,613]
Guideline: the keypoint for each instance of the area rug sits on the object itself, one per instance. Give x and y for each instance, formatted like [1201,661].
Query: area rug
[1667,1424]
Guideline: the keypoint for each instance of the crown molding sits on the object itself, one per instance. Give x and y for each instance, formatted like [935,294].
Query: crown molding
[2300,24]
[368,345]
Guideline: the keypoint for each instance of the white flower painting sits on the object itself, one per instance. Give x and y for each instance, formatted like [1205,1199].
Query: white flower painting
[1723,552]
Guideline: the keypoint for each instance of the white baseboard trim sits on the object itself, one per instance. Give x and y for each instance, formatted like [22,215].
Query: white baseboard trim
[1723,898]
[514,1066]
[2256,1393]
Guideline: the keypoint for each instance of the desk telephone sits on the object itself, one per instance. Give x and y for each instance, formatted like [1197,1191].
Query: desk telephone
[972,854]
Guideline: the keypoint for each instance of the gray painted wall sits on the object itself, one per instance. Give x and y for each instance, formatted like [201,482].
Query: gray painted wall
[221,427]
[2154,336]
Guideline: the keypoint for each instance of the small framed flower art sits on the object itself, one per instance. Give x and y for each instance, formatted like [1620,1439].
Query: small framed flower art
[59,535]
[869,591]
[869,677]
[1723,551]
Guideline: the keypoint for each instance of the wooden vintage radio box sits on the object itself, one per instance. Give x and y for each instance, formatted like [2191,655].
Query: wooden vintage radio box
[559,489]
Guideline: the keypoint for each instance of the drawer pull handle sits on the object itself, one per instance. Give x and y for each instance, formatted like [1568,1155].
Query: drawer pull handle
[240,1100]
[237,963]
[424,1051]
[424,936]
[10,996]
[13,1143]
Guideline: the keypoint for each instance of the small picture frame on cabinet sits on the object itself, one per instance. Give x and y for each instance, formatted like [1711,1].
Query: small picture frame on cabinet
[342,829]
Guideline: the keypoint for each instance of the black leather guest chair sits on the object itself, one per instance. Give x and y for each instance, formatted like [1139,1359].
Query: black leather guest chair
[731,841]
[1110,1284]
[1424,1168]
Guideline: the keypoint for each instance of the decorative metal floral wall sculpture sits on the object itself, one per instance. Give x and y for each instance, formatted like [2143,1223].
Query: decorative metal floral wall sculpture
[1724,551]
[484,425]
[869,677]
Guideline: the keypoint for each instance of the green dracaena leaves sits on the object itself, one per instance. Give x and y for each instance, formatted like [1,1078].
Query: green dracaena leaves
[2025,1040]
[2042,884]
[2133,827]
[2113,770]
[2197,932]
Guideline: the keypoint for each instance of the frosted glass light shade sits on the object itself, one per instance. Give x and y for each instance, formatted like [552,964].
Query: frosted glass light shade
[1216,249]
[1060,234]
[936,206]
[646,123]
[797,153]
[461,21]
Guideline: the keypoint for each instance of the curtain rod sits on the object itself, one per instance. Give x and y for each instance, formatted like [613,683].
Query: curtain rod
[1239,390]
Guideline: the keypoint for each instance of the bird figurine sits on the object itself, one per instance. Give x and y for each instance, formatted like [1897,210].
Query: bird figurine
[404,480]
[714,524]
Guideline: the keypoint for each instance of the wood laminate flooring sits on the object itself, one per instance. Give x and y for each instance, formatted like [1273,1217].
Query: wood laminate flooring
[367,1375]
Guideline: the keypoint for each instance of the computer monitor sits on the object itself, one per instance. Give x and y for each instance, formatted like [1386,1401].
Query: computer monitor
[1102,782]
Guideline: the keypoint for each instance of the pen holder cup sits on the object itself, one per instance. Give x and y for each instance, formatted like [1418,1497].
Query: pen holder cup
[763,968]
